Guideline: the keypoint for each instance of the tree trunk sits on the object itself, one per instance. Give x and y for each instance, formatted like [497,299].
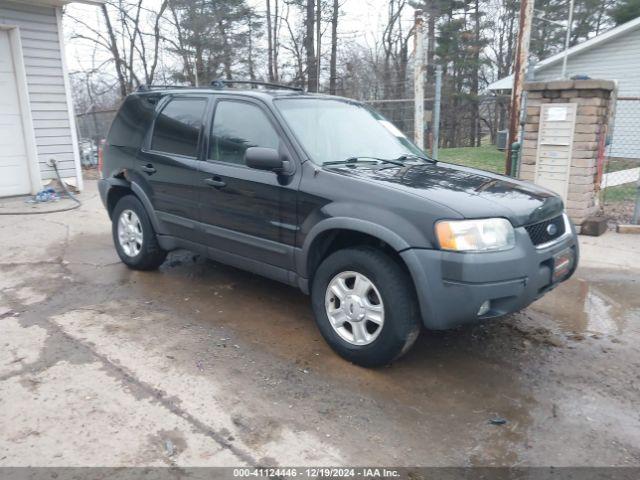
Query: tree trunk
[250,62]
[277,21]
[431,43]
[156,40]
[226,58]
[113,46]
[312,70]
[334,48]
[269,43]
[475,118]
[318,41]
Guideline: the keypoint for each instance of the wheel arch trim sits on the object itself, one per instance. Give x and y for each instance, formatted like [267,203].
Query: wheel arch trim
[139,192]
[148,206]
[347,224]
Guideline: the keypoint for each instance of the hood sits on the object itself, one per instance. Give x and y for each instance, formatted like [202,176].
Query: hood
[472,193]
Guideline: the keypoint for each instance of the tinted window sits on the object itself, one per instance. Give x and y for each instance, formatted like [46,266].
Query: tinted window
[132,122]
[236,127]
[177,127]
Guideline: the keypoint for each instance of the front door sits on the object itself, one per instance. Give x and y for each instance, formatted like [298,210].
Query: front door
[247,212]
[169,166]
[14,162]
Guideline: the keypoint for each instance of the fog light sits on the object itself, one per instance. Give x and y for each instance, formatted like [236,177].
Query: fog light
[484,308]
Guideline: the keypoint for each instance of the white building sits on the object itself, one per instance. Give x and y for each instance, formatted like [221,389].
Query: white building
[613,55]
[36,111]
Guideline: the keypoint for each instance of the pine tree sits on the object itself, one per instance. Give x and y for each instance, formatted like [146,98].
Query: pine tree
[625,10]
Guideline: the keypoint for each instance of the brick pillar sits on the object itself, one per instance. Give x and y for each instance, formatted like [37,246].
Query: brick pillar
[593,99]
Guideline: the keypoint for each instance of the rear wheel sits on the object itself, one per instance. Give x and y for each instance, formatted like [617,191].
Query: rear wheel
[365,307]
[134,236]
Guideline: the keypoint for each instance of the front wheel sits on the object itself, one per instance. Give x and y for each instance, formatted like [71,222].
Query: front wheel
[134,237]
[365,306]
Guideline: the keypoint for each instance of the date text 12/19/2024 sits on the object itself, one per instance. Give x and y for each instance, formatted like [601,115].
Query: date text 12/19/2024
[316,472]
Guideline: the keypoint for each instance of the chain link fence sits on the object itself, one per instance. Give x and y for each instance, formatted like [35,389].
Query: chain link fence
[462,126]
[620,186]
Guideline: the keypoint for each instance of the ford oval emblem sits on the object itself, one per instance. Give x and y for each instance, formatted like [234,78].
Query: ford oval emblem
[552,229]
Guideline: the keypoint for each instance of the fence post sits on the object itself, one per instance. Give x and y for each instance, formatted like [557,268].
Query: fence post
[520,67]
[418,82]
[436,113]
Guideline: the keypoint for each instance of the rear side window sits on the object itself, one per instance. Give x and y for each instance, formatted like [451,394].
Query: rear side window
[178,125]
[131,124]
[236,127]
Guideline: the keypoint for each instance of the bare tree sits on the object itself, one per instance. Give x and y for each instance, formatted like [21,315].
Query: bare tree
[334,47]
[312,66]
[131,35]
[318,42]
[270,73]
[295,47]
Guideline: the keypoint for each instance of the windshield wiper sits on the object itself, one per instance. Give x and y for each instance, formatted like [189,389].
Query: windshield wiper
[419,157]
[359,159]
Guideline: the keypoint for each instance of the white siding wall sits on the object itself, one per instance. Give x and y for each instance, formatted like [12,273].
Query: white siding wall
[43,64]
[617,59]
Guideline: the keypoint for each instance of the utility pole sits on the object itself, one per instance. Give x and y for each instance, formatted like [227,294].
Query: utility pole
[418,82]
[522,55]
[567,40]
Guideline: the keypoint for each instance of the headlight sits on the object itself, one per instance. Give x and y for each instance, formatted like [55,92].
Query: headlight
[475,235]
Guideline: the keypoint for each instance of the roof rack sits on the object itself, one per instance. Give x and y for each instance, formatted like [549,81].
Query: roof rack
[146,88]
[222,83]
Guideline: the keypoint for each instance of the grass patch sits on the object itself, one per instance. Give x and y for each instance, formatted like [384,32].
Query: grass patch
[617,164]
[621,193]
[486,157]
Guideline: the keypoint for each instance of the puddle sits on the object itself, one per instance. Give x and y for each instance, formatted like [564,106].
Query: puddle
[601,306]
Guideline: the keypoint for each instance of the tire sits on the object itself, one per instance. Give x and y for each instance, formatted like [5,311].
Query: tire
[394,331]
[146,254]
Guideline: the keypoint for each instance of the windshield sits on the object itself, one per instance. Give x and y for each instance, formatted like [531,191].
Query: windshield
[336,130]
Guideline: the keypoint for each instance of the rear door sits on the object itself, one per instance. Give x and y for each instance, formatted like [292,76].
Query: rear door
[169,164]
[247,212]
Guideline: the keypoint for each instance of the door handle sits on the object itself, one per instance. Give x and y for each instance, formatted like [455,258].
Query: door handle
[215,182]
[148,168]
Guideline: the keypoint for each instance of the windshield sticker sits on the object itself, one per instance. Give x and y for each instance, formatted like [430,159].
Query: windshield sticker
[392,128]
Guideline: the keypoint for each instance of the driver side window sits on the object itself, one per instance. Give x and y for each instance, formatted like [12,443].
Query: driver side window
[236,127]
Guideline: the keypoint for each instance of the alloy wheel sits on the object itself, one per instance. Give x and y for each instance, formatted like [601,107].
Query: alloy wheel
[354,307]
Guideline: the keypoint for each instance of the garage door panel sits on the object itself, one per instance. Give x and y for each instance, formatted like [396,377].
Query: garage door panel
[12,180]
[6,61]
[9,98]
[10,134]
[14,163]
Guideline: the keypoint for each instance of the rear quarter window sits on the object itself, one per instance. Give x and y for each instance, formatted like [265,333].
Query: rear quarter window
[132,122]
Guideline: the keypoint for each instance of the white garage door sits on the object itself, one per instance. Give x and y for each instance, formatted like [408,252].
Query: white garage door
[14,169]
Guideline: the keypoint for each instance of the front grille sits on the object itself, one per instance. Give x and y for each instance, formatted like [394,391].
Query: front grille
[539,232]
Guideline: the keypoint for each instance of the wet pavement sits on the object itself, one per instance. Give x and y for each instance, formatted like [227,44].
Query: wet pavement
[202,364]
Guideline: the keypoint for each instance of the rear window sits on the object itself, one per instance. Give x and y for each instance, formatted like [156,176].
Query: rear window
[177,127]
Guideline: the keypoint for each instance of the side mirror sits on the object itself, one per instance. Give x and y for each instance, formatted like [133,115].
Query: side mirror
[262,158]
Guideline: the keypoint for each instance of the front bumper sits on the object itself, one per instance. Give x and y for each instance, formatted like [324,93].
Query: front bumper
[451,286]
